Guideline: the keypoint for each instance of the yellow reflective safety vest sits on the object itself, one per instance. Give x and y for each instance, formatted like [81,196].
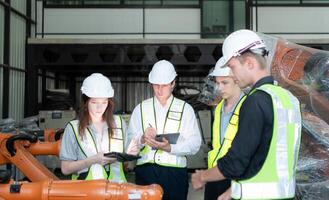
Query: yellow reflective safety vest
[89,148]
[219,150]
[276,178]
[171,125]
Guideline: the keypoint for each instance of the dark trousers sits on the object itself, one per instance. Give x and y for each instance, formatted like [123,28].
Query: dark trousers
[214,189]
[174,181]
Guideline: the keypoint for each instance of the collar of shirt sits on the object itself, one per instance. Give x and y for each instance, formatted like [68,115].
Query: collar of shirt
[158,104]
[262,81]
[161,113]
[93,129]
[102,140]
[232,109]
[95,134]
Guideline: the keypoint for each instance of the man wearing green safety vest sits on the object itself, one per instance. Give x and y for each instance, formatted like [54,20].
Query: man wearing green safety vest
[162,162]
[225,126]
[262,159]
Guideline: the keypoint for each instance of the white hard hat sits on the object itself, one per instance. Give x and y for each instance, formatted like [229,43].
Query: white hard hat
[163,72]
[238,42]
[219,70]
[97,86]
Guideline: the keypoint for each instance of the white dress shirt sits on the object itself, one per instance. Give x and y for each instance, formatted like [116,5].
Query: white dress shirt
[189,140]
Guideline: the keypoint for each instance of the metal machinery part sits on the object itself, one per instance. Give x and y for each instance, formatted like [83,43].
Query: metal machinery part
[19,149]
[55,118]
[67,190]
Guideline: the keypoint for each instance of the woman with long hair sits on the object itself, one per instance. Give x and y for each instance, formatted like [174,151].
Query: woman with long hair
[95,132]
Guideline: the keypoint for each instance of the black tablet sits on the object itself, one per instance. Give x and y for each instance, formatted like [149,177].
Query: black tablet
[171,137]
[122,157]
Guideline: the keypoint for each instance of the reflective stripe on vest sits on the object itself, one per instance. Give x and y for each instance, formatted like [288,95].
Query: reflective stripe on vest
[219,150]
[276,178]
[171,125]
[89,148]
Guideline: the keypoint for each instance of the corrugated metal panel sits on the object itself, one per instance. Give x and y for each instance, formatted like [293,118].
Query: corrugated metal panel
[50,82]
[138,89]
[19,5]
[77,90]
[1,96]
[17,41]
[16,95]
[62,84]
[33,27]
[1,33]
[196,82]
[33,4]
[39,89]
[39,17]
[17,60]
[1,55]
[117,86]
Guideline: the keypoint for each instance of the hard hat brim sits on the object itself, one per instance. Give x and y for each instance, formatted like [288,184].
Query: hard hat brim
[162,82]
[93,95]
[222,62]
[218,74]
[239,42]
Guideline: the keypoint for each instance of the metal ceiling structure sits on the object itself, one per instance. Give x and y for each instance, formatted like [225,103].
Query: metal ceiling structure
[122,58]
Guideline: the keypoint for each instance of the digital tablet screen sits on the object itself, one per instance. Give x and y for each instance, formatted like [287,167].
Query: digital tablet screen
[171,137]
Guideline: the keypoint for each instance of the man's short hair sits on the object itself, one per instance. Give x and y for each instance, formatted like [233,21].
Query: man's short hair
[260,58]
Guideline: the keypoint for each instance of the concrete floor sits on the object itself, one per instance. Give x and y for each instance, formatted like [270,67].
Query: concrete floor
[193,194]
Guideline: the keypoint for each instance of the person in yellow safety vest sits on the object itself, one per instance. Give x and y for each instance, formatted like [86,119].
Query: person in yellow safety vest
[95,132]
[262,159]
[225,126]
[162,162]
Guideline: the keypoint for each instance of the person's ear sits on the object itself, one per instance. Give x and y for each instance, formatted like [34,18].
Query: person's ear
[250,62]
[173,84]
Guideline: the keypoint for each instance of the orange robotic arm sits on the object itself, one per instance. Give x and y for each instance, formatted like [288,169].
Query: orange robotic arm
[51,146]
[52,135]
[292,64]
[13,151]
[46,186]
[68,190]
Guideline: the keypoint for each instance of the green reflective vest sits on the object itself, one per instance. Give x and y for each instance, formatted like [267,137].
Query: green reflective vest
[219,150]
[89,148]
[276,178]
[171,125]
